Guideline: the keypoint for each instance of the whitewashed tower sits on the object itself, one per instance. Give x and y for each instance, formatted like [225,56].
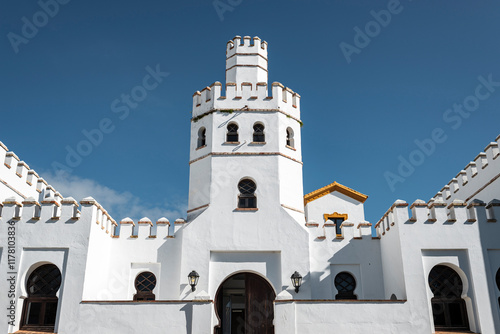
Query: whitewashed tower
[263,143]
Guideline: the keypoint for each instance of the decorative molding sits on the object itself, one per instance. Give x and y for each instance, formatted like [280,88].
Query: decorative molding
[220,154]
[335,187]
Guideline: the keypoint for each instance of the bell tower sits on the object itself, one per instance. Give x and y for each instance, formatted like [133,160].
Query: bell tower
[245,152]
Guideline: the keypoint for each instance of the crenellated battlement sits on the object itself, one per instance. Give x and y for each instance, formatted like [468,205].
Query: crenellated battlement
[50,210]
[475,177]
[247,45]
[437,212]
[246,97]
[19,179]
[145,228]
[349,230]
[55,209]
[246,87]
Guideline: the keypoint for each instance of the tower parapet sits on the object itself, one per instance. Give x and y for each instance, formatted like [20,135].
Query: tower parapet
[246,61]
[246,84]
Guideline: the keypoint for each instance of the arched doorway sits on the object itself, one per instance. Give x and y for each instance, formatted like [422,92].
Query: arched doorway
[448,308]
[40,308]
[244,305]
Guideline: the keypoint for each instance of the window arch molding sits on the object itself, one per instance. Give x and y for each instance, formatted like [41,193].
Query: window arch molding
[247,199]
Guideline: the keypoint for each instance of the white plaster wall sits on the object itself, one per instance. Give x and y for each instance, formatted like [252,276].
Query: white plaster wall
[135,318]
[270,231]
[328,256]
[440,237]
[335,202]
[63,242]
[347,317]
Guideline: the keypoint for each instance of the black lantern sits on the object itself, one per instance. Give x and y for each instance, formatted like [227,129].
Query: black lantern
[193,279]
[296,280]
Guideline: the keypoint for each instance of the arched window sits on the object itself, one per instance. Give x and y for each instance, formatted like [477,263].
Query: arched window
[247,199]
[232,133]
[448,307]
[258,133]
[202,137]
[345,285]
[145,283]
[40,308]
[289,138]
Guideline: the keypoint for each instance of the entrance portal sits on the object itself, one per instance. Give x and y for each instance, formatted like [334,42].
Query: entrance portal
[244,305]
[448,307]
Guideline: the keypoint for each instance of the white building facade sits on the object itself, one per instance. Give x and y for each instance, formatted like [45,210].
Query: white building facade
[69,267]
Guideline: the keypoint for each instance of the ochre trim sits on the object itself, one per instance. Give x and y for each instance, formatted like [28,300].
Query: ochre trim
[334,215]
[335,187]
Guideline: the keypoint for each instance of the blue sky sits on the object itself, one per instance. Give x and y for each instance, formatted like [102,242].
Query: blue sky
[362,113]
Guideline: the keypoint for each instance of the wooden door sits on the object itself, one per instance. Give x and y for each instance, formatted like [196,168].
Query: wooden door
[259,305]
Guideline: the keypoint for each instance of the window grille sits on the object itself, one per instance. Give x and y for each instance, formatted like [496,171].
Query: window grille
[258,133]
[232,133]
[247,198]
[145,283]
[345,285]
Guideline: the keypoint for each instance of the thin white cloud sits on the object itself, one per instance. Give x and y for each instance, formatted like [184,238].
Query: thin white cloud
[118,204]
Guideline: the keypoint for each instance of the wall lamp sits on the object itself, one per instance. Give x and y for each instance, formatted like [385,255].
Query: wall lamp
[193,278]
[296,281]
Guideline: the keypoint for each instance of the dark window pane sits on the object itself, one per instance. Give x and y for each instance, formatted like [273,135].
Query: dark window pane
[50,313]
[202,137]
[438,314]
[232,133]
[34,310]
[445,282]
[258,134]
